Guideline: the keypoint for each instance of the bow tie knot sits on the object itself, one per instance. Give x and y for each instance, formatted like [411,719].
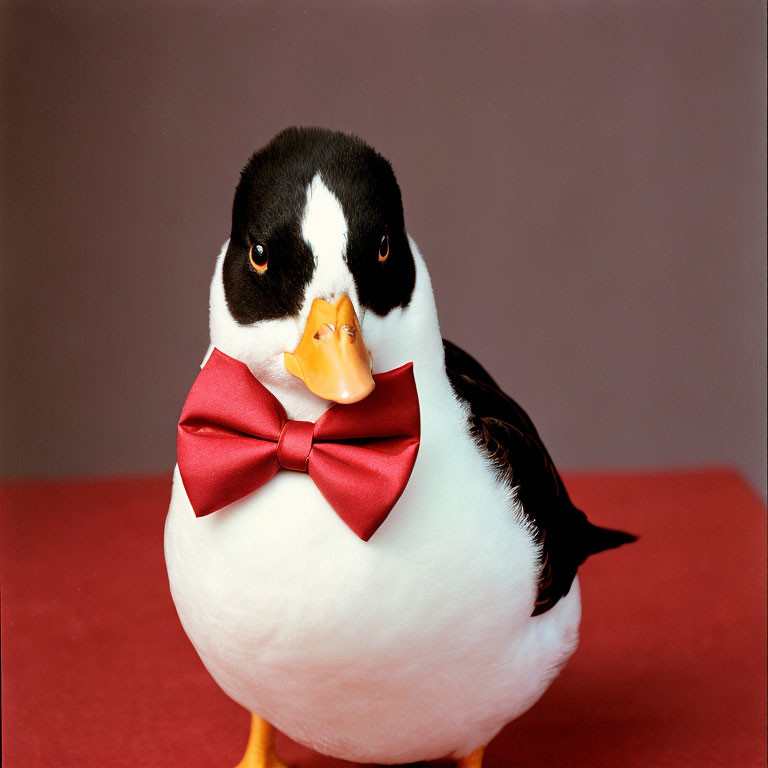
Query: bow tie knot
[234,436]
[295,445]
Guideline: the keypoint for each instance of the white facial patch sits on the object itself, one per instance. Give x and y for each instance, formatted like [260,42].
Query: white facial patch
[324,229]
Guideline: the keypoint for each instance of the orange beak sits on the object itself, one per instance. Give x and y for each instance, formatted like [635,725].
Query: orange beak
[331,358]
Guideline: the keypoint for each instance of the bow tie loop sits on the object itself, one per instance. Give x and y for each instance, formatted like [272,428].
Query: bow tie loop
[234,436]
[295,445]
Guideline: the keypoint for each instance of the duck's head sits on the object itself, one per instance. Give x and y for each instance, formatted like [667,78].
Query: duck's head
[316,287]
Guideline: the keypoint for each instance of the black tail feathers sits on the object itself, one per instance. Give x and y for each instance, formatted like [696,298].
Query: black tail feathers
[598,539]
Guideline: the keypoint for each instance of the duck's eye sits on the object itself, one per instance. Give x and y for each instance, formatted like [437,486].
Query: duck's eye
[259,256]
[384,248]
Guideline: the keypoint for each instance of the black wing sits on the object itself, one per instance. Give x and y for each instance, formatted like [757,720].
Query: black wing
[506,432]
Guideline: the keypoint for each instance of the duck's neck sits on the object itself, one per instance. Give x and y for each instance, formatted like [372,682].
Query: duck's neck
[299,403]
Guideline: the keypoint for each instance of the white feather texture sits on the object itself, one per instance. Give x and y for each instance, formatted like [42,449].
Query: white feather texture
[324,230]
[416,645]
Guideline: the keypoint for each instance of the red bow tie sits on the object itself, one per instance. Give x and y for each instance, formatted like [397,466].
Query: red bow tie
[234,436]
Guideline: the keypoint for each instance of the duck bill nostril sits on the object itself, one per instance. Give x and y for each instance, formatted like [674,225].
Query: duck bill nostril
[331,357]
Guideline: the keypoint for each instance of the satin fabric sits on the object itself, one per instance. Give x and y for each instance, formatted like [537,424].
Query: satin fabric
[234,436]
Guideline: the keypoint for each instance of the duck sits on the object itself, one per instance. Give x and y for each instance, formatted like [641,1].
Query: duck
[419,634]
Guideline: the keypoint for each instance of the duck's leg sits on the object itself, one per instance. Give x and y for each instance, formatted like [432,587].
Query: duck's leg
[260,752]
[474,760]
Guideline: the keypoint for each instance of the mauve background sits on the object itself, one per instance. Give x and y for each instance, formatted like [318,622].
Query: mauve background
[585,179]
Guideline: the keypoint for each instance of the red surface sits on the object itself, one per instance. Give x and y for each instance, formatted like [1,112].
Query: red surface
[671,669]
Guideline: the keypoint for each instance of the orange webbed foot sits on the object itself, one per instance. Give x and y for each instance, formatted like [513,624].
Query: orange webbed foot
[473,760]
[260,752]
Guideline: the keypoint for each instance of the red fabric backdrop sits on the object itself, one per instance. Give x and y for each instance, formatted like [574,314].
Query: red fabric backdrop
[671,670]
